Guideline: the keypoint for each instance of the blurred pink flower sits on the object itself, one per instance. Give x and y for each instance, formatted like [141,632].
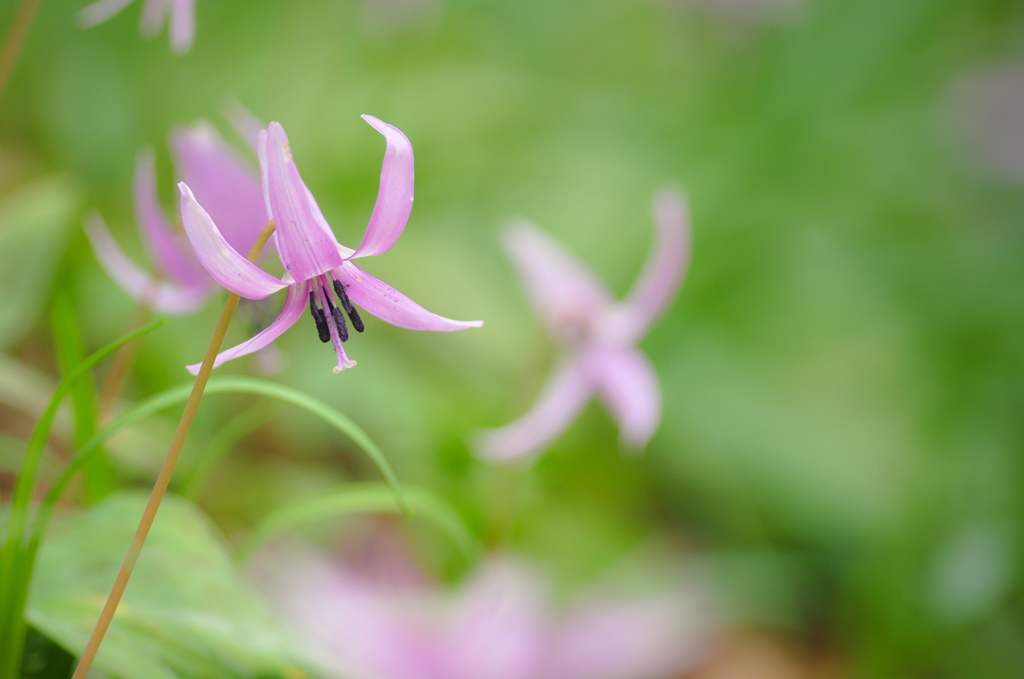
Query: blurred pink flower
[499,624]
[315,264]
[181,15]
[601,334]
[225,182]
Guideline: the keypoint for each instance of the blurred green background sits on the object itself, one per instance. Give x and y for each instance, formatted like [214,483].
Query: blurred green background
[842,449]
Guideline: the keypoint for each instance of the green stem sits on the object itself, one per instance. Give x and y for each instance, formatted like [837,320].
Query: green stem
[164,477]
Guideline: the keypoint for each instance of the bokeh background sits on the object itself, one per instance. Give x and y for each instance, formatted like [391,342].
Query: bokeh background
[841,460]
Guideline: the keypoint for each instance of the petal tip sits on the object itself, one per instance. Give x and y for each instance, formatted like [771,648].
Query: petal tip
[395,137]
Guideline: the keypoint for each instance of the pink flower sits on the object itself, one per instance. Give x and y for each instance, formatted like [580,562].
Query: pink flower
[227,185]
[182,15]
[319,272]
[601,334]
[500,624]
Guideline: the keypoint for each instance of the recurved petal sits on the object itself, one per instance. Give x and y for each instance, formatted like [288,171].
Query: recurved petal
[100,11]
[563,292]
[566,393]
[294,307]
[183,25]
[169,250]
[225,184]
[389,305]
[395,195]
[628,386]
[220,260]
[305,242]
[166,297]
[666,264]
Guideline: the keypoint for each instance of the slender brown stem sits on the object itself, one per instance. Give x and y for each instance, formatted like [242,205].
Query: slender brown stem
[164,478]
[15,40]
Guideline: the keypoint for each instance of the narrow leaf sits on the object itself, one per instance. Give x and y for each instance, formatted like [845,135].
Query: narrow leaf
[365,498]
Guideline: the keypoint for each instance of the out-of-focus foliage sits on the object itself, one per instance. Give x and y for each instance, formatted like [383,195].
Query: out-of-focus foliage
[36,218]
[843,373]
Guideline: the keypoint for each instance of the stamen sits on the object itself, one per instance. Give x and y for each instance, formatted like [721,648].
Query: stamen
[320,318]
[339,323]
[353,314]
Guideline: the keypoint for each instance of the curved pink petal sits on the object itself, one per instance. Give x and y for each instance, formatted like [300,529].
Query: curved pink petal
[648,638]
[381,300]
[170,250]
[395,195]
[220,260]
[225,184]
[666,264]
[182,25]
[566,393]
[294,306]
[563,292]
[305,242]
[100,11]
[628,386]
[162,296]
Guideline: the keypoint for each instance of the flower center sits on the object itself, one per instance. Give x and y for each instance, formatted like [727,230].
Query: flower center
[337,317]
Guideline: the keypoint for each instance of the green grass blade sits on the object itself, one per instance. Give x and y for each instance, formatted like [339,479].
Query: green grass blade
[364,498]
[25,485]
[99,473]
[17,560]
[220,445]
[225,385]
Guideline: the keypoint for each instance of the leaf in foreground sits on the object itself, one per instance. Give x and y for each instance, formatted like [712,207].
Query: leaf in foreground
[187,612]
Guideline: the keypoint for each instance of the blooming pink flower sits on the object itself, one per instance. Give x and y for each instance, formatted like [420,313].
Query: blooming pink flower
[226,184]
[319,272]
[181,13]
[601,334]
[500,624]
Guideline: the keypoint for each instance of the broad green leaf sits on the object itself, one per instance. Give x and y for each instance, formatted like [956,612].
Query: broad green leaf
[186,613]
[34,221]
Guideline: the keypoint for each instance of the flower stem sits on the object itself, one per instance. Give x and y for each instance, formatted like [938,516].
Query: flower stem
[15,40]
[164,478]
